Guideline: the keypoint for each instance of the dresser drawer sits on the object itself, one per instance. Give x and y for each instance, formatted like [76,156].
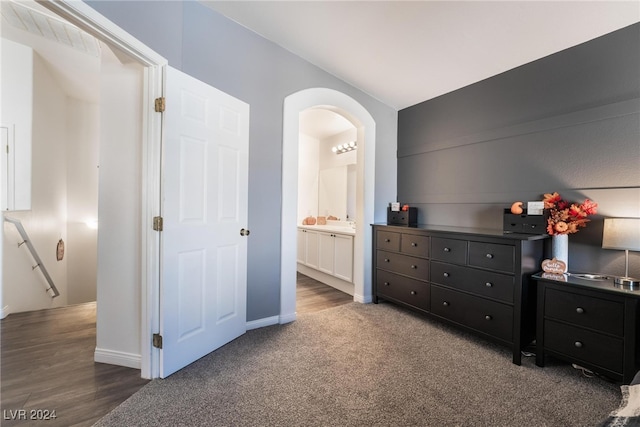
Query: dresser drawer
[584,345]
[492,256]
[413,244]
[489,317]
[403,264]
[582,310]
[449,250]
[493,285]
[403,289]
[388,240]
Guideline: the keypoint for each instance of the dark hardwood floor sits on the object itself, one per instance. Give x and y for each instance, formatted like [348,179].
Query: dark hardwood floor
[312,295]
[47,366]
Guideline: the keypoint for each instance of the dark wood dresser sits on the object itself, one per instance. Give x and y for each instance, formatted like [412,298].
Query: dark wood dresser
[476,279]
[589,322]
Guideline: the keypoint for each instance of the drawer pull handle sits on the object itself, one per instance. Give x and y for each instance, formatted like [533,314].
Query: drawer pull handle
[447,250]
[490,256]
[414,266]
[446,303]
[414,293]
[488,317]
[579,310]
[446,274]
[489,285]
[578,344]
[387,240]
[387,283]
[386,260]
[414,244]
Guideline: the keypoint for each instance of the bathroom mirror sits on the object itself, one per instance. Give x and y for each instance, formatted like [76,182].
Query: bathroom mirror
[337,192]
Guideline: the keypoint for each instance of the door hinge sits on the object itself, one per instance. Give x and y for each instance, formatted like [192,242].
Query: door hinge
[160,104]
[157,223]
[157,341]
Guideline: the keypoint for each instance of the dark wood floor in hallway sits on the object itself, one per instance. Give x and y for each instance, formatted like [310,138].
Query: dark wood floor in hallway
[312,295]
[47,362]
[47,365]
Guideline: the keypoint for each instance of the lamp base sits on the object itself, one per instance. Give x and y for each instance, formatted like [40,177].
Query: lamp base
[627,282]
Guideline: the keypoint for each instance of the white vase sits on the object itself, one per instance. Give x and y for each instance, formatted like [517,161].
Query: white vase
[560,248]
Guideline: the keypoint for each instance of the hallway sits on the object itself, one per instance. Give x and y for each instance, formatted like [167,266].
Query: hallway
[47,366]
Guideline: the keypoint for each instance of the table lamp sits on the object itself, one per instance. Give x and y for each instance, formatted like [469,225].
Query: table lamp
[622,234]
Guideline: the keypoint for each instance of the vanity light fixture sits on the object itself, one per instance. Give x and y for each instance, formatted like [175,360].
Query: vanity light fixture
[622,234]
[345,148]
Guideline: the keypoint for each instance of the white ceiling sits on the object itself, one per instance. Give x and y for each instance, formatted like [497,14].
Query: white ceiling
[405,52]
[320,124]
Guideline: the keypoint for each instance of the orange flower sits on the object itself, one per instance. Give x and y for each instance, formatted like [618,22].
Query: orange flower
[576,212]
[550,200]
[590,207]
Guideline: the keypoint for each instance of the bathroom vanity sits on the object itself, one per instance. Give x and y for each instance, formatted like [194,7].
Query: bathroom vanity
[325,253]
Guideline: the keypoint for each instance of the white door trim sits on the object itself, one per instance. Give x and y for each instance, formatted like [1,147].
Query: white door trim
[348,107]
[87,18]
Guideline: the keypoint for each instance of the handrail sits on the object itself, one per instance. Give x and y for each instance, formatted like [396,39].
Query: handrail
[51,290]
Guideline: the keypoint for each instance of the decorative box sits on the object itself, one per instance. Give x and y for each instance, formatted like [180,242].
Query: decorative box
[409,217]
[523,223]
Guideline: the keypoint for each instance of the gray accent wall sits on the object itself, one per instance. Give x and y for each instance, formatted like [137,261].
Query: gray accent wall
[217,51]
[569,122]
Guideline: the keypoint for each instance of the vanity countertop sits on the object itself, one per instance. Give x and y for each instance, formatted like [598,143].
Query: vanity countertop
[342,228]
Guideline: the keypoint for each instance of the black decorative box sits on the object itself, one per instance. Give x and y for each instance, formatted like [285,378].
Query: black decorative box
[407,218]
[523,223]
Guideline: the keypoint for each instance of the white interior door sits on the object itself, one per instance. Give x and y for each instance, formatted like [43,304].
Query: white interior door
[204,253]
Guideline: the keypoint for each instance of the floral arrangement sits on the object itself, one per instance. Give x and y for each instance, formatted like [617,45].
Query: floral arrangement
[565,217]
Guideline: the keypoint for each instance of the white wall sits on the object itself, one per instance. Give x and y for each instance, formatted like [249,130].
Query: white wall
[83,121]
[308,159]
[337,198]
[63,171]
[24,288]
[313,156]
[119,207]
[17,117]
[328,159]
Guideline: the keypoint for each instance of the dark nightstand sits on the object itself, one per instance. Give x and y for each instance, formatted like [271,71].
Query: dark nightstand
[589,322]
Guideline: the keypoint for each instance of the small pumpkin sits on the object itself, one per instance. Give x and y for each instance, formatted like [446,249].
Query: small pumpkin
[311,220]
[516,208]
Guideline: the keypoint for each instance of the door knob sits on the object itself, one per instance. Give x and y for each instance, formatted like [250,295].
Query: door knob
[244,232]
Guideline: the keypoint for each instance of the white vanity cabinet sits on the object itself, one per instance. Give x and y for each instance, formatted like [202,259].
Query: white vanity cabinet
[308,247]
[326,251]
[336,255]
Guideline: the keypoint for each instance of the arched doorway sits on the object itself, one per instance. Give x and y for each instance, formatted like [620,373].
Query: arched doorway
[353,111]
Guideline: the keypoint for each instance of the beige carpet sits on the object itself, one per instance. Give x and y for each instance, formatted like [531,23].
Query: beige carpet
[367,365]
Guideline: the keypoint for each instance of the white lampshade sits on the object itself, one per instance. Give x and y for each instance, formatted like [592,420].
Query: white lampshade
[621,233]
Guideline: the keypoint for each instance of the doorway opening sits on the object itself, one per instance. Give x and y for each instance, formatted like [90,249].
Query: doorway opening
[355,113]
[128,247]
[53,107]
[327,183]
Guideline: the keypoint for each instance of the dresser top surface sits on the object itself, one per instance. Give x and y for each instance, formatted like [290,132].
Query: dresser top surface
[445,229]
[605,283]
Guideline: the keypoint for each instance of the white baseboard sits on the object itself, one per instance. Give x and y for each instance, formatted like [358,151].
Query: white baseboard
[119,358]
[287,318]
[361,299]
[4,311]
[261,323]
[334,282]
